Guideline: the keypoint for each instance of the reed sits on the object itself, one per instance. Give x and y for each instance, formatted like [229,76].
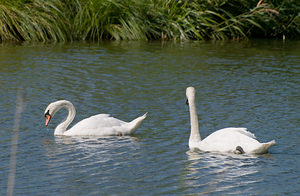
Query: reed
[33,20]
[110,19]
[67,20]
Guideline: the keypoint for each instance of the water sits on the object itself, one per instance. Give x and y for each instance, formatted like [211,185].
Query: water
[244,84]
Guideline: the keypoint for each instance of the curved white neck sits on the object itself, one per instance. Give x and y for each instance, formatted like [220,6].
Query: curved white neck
[195,135]
[62,127]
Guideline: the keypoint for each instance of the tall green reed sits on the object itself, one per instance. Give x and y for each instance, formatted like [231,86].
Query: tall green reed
[65,20]
[34,20]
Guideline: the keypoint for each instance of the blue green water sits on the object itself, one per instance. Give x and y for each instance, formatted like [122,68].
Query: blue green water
[252,84]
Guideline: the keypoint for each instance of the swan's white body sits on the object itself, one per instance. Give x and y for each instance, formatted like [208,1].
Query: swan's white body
[227,140]
[98,125]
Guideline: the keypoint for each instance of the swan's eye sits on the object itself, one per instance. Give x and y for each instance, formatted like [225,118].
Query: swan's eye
[187,102]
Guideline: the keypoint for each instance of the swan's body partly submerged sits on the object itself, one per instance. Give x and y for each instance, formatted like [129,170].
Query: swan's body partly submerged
[227,140]
[100,125]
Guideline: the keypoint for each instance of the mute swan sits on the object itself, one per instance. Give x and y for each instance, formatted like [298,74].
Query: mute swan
[231,140]
[100,125]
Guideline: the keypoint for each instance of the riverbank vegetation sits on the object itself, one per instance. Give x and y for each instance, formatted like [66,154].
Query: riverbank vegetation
[68,20]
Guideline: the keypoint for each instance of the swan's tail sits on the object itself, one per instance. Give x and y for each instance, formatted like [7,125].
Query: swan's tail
[133,125]
[264,147]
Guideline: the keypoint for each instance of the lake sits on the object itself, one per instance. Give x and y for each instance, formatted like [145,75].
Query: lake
[253,84]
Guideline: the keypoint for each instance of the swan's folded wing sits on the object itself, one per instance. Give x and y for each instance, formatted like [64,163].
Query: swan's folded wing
[101,124]
[241,130]
[102,120]
[245,132]
[227,140]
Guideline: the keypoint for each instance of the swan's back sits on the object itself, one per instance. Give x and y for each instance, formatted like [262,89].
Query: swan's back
[242,130]
[228,139]
[101,124]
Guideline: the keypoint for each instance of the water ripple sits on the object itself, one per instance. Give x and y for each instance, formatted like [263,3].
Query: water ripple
[251,86]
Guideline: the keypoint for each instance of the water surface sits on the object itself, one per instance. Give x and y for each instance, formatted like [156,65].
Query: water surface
[251,84]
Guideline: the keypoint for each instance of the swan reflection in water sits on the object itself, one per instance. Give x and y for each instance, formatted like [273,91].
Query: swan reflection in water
[215,172]
[93,143]
[67,155]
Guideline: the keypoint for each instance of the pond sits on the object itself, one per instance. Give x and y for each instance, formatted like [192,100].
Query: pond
[253,84]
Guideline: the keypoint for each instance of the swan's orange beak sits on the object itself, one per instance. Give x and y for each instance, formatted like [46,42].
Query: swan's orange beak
[48,118]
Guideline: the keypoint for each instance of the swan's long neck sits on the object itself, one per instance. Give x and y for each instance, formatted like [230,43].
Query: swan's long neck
[62,127]
[195,135]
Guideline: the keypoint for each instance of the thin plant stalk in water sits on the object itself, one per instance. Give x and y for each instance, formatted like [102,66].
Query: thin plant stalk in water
[20,104]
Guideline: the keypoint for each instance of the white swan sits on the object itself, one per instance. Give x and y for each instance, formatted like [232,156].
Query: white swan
[229,140]
[100,125]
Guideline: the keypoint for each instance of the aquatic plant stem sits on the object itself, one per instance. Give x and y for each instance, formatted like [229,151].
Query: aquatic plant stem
[14,143]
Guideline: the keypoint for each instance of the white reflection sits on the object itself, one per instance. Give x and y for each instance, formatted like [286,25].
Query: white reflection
[214,172]
[67,156]
[90,144]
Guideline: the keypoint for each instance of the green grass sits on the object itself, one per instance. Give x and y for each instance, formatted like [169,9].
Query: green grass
[67,20]
[34,20]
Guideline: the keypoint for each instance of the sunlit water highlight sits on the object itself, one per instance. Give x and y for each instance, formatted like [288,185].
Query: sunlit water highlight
[247,84]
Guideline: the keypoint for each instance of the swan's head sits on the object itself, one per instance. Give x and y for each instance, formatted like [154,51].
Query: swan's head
[190,94]
[53,107]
